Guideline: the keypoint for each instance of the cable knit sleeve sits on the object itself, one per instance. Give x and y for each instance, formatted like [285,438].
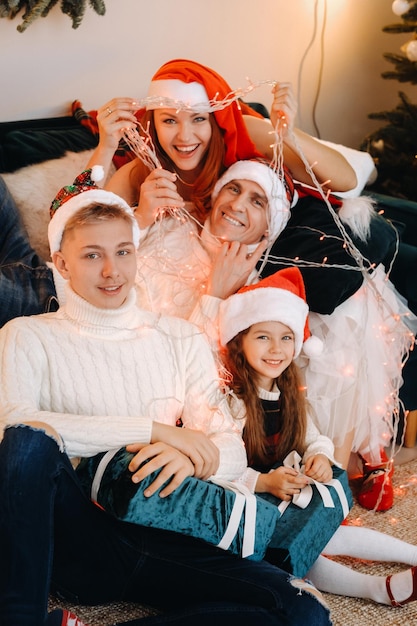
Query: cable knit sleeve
[318,444]
[27,383]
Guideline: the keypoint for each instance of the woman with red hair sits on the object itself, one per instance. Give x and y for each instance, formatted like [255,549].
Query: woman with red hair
[195,146]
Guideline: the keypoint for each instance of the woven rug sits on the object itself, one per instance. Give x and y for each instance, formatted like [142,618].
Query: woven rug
[399,521]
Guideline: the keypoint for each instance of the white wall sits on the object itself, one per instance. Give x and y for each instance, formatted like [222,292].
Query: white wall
[49,65]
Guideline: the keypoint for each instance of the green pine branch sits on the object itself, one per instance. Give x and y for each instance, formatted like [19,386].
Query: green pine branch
[33,9]
[400,28]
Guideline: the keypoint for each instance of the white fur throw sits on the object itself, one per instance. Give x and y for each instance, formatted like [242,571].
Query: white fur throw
[34,187]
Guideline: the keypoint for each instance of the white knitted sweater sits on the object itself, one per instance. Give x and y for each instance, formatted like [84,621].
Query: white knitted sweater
[100,377]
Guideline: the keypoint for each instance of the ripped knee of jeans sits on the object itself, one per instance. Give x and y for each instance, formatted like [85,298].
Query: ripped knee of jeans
[307,586]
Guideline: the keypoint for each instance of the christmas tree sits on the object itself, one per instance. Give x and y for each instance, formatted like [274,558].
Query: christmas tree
[394,146]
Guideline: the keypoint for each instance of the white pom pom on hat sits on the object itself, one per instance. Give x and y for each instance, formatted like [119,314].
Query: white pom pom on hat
[80,194]
[280,200]
[277,298]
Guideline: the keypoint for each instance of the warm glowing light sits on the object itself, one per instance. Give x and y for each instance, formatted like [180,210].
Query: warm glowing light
[348,371]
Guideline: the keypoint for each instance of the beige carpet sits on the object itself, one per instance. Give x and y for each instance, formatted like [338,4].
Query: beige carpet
[400,521]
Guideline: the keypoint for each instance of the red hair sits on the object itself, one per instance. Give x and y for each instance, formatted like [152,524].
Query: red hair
[230,120]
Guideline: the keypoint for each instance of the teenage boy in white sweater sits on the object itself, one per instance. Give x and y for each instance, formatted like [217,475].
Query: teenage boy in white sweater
[97,374]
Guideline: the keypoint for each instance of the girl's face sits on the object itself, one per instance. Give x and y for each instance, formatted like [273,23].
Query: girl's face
[184,136]
[269,349]
[240,212]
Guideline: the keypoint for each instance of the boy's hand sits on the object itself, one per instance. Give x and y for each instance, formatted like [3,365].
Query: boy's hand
[319,467]
[175,467]
[201,451]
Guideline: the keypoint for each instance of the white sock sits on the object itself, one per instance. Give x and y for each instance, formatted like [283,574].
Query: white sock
[332,577]
[401,585]
[371,545]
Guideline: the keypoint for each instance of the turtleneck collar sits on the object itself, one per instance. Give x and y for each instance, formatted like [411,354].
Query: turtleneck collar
[269,395]
[97,320]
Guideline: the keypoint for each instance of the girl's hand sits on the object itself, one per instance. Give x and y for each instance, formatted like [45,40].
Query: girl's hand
[319,467]
[284,107]
[113,118]
[283,483]
[175,465]
[232,267]
[157,191]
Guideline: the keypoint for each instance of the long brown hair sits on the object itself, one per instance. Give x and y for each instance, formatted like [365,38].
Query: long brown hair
[293,406]
[211,171]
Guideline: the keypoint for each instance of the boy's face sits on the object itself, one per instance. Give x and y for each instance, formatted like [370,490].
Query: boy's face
[99,260]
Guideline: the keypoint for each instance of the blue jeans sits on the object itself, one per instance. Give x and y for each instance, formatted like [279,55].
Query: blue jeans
[53,538]
[26,283]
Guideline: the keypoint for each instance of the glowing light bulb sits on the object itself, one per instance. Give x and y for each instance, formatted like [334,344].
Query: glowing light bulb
[399,7]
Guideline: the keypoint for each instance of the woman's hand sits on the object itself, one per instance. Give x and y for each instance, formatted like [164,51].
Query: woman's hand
[284,107]
[319,467]
[175,467]
[157,191]
[283,483]
[113,119]
[232,267]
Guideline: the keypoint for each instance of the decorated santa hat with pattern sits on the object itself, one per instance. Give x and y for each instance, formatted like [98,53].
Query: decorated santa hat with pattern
[195,85]
[82,193]
[279,191]
[277,298]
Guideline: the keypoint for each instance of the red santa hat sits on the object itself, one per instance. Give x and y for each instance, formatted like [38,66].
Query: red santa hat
[80,194]
[281,196]
[277,298]
[193,84]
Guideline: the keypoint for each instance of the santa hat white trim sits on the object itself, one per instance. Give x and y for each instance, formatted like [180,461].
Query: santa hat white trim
[277,298]
[191,94]
[273,187]
[68,205]
[267,304]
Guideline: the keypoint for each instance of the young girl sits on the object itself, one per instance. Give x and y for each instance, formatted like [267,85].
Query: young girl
[263,327]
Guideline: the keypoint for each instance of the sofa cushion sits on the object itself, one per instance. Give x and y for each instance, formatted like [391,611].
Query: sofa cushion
[35,186]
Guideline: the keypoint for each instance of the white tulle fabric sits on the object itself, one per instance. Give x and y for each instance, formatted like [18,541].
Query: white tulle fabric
[354,383]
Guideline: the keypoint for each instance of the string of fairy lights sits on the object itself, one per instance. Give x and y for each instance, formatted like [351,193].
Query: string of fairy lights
[190,274]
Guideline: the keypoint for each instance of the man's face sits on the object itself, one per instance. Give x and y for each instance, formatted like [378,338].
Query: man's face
[99,260]
[240,212]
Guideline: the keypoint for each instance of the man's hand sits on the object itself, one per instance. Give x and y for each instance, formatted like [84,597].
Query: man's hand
[150,458]
[232,267]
